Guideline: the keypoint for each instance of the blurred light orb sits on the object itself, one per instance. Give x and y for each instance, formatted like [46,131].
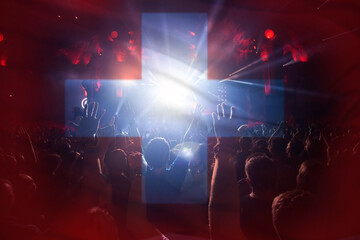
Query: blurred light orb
[114,34]
[187,153]
[269,34]
[3,61]
[1,37]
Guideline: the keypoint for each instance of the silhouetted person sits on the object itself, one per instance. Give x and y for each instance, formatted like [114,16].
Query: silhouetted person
[116,162]
[297,216]
[312,177]
[162,183]
[255,208]
[245,147]
[286,172]
[10,228]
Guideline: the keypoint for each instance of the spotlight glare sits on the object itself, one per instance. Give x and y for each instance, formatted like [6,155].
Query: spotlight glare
[172,95]
[187,153]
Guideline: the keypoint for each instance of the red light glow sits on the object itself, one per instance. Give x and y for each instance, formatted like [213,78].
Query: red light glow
[85,92]
[3,61]
[120,54]
[131,48]
[264,56]
[114,34]
[86,58]
[297,52]
[269,34]
[267,88]
[1,37]
[192,33]
[98,85]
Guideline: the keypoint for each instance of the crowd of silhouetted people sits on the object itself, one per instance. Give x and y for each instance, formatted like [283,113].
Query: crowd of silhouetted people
[268,181]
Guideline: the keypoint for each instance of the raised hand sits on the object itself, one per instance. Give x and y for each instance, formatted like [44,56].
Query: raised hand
[223,121]
[224,189]
[89,125]
[109,130]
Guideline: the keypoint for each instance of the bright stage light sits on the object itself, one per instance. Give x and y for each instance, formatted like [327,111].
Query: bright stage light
[174,58]
[172,95]
[187,153]
[173,80]
[127,83]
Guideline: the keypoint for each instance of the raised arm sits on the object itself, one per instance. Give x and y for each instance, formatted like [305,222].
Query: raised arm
[137,222]
[224,203]
[195,119]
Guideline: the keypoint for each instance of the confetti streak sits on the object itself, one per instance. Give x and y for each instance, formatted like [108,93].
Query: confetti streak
[322,4]
[340,34]
[247,66]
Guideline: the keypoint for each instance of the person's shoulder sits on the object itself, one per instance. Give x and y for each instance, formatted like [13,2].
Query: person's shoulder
[246,199]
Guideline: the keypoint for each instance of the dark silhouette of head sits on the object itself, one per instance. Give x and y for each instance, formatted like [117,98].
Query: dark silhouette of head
[157,153]
[295,148]
[277,146]
[296,216]
[260,146]
[312,176]
[24,188]
[245,144]
[116,162]
[295,151]
[261,173]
